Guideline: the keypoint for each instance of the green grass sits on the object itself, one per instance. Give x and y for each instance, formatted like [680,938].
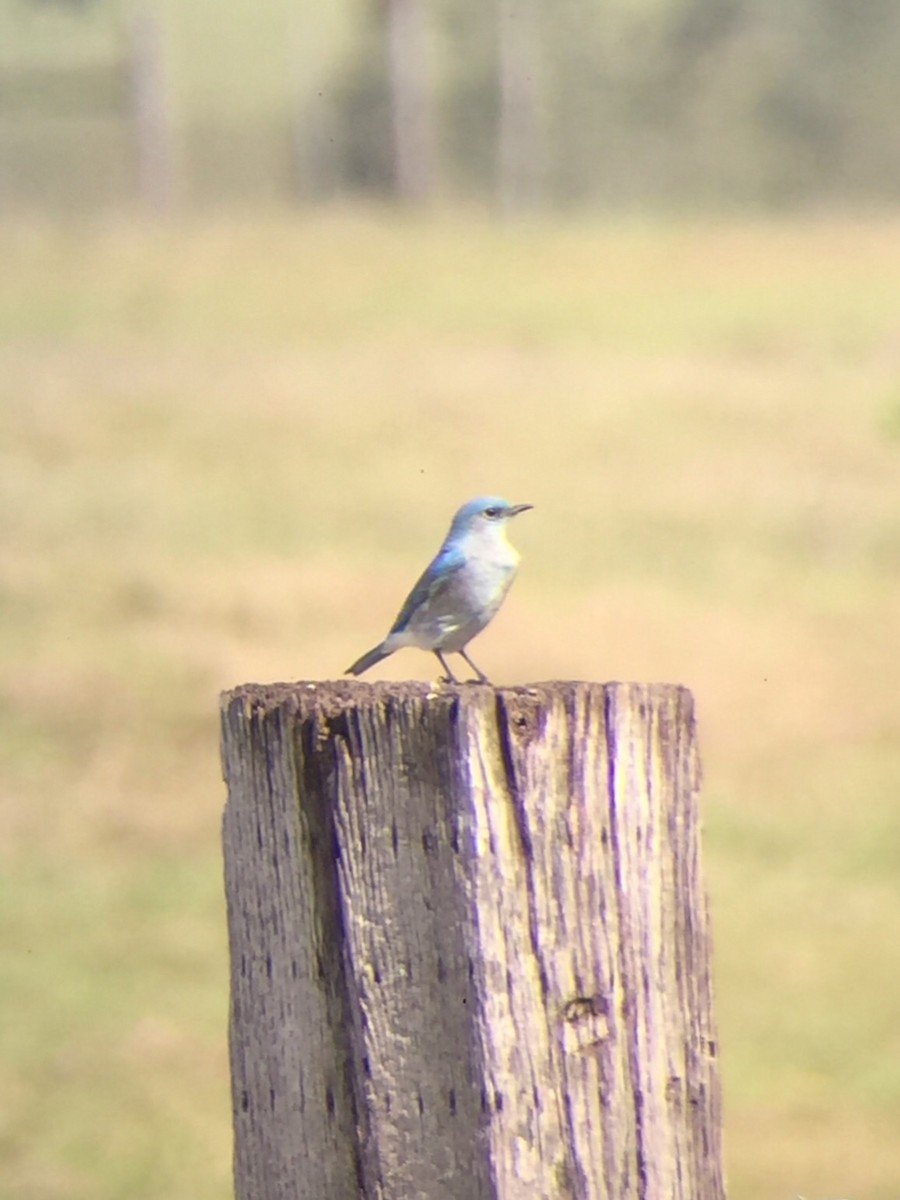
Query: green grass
[226,448]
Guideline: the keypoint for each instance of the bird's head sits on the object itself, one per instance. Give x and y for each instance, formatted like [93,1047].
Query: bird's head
[484,513]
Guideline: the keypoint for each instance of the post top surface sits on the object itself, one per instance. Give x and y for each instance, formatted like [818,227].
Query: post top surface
[342,694]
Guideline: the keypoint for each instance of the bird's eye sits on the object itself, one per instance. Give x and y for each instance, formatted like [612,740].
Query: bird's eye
[492,511]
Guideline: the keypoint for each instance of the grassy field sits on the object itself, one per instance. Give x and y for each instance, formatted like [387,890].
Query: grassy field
[227,449]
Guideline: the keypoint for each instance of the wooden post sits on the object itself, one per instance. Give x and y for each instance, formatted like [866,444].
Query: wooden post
[469,944]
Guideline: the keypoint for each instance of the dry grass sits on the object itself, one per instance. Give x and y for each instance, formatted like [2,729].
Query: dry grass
[227,449]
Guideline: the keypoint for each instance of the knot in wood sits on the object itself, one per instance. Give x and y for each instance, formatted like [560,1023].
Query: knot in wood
[585,1023]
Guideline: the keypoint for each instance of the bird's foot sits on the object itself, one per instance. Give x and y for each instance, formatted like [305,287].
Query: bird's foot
[480,676]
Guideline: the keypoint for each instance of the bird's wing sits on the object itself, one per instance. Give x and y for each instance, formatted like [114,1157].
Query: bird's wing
[434,579]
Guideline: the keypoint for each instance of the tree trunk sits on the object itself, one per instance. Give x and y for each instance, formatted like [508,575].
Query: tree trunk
[518,152]
[151,113]
[411,99]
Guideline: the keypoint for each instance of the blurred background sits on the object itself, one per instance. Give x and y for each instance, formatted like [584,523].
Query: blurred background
[669,104]
[281,284]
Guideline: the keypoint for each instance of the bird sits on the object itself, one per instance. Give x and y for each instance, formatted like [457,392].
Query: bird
[459,591]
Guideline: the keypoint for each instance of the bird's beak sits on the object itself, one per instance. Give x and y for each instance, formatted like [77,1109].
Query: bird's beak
[515,509]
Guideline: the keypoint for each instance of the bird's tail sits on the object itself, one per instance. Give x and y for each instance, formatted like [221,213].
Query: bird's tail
[369,659]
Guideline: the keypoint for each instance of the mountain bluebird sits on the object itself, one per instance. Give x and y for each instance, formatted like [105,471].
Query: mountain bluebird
[460,590]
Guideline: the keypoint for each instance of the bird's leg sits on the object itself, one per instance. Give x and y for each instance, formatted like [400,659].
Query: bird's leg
[482,678]
[450,677]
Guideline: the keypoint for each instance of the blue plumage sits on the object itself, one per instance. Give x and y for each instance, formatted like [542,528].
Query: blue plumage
[460,590]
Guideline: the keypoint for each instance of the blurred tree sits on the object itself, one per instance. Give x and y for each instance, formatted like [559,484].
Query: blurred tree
[381,118]
[411,98]
[519,164]
[659,102]
[775,103]
[359,116]
[467,94]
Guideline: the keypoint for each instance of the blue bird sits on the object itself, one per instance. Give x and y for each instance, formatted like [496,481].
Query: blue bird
[460,590]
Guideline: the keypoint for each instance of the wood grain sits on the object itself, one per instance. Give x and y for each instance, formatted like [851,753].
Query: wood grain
[469,944]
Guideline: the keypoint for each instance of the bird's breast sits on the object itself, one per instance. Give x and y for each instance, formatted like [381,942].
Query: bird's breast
[487,579]
[492,551]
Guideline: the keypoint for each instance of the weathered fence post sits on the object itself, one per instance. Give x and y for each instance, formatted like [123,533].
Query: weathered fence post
[469,944]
